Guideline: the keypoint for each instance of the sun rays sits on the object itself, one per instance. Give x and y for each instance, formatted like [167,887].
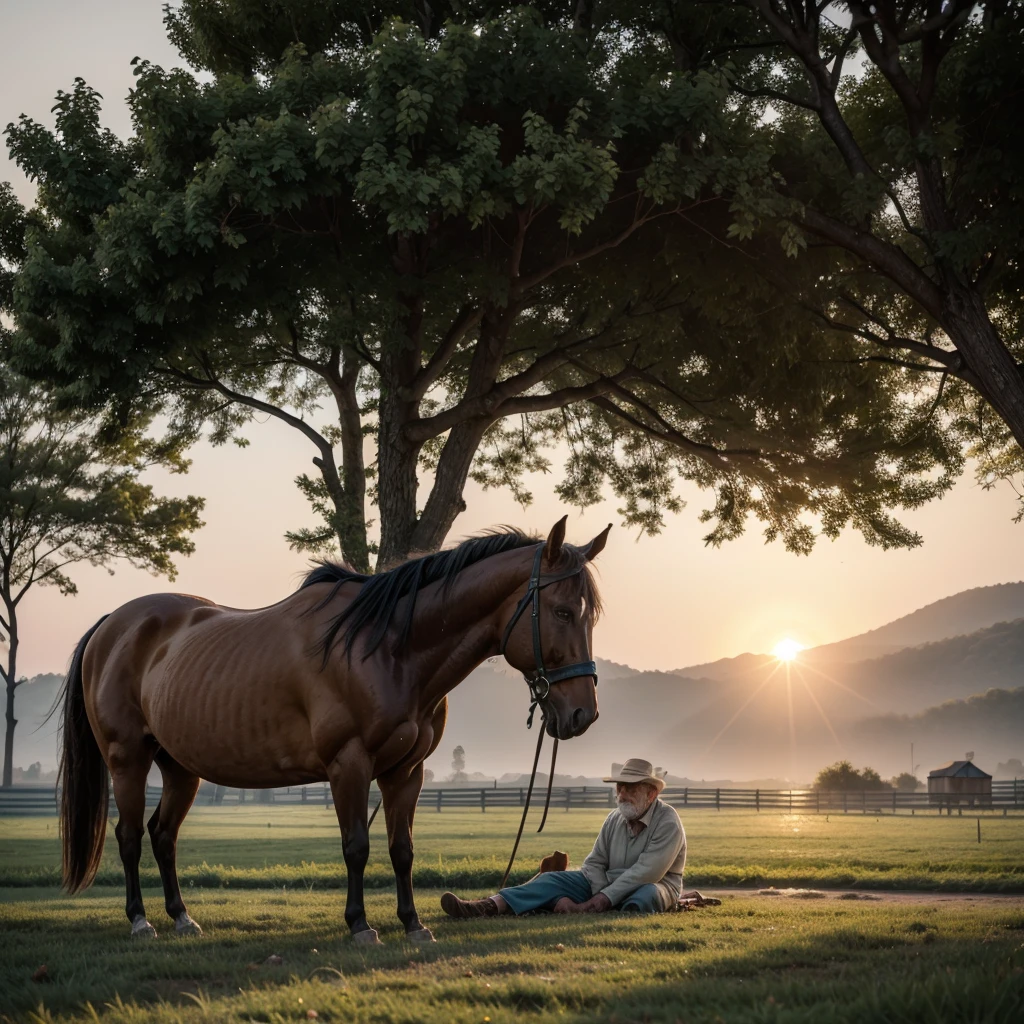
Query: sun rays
[786,654]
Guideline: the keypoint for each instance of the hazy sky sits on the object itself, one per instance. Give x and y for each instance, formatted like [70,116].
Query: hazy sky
[669,600]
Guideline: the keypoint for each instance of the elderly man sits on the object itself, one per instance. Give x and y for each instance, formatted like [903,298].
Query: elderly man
[636,864]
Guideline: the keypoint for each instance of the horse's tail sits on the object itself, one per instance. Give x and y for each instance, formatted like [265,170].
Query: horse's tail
[83,781]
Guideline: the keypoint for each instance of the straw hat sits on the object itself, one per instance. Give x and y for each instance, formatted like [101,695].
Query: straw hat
[636,769]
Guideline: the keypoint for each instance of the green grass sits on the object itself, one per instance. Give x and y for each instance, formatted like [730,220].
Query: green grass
[754,959]
[260,847]
[264,880]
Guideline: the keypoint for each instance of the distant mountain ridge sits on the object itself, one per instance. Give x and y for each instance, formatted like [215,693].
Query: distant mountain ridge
[866,697]
[957,615]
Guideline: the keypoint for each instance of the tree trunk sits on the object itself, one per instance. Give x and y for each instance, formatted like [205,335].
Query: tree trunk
[445,502]
[12,658]
[352,516]
[967,322]
[397,456]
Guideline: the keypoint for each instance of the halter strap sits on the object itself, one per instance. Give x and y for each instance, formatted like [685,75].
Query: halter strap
[541,680]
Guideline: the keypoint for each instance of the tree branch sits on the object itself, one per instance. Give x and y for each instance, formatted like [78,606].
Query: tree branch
[213,383]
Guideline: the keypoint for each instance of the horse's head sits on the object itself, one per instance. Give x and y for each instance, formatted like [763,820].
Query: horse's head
[551,631]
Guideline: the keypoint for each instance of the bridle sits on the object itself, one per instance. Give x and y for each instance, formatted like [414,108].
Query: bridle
[541,679]
[540,682]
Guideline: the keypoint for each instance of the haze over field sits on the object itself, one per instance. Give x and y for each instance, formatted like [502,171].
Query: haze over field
[753,716]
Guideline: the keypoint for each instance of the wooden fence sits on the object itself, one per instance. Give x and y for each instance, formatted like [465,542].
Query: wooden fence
[1007,797]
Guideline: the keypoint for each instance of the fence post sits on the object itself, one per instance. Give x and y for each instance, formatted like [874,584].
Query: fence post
[520,796]
[686,795]
[817,801]
[894,801]
[791,801]
[757,800]
[718,799]
[844,801]
[439,792]
[483,800]
[568,799]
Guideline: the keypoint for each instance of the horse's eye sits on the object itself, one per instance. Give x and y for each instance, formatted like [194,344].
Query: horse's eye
[564,614]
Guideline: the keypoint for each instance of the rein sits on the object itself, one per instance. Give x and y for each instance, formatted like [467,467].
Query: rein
[540,683]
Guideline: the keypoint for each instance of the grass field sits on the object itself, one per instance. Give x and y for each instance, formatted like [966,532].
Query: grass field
[753,959]
[300,847]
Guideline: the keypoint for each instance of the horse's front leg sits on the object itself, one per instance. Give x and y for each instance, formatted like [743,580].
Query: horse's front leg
[400,790]
[349,772]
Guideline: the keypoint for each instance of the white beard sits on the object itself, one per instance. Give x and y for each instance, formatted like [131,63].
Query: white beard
[629,810]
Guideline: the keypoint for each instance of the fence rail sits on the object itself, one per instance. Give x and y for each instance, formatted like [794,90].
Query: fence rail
[1007,797]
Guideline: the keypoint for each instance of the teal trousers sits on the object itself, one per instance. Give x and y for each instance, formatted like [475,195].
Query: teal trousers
[544,891]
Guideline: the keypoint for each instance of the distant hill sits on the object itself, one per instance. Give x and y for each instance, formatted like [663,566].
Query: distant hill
[990,724]
[963,613]
[960,614]
[34,741]
[743,718]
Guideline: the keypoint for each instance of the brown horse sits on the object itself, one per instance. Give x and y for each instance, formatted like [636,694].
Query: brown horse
[308,690]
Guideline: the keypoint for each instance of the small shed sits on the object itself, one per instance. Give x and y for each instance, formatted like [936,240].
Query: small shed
[960,782]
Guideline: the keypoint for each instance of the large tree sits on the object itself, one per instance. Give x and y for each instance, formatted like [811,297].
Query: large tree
[470,231]
[894,132]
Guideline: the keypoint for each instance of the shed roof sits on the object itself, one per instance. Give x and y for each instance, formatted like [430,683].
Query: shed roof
[959,770]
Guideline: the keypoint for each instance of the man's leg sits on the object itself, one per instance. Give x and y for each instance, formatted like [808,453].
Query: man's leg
[544,891]
[541,892]
[648,899]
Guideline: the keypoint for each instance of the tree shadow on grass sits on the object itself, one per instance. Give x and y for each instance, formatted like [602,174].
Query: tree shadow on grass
[693,967]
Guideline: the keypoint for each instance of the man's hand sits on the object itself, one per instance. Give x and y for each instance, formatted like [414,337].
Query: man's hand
[595,905]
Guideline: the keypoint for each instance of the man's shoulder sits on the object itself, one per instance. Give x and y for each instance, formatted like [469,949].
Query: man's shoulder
[668,816]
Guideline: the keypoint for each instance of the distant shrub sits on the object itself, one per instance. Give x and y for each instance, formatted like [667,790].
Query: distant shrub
[842,775]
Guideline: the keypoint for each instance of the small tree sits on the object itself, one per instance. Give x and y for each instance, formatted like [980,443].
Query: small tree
[870,779]
[905,782]
[458,765]
[66,496]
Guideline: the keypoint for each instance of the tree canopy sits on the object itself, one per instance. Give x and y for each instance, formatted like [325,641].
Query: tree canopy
[441,239]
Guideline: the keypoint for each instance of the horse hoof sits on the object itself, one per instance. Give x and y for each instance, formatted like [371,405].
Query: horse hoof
[420,935]
[366,938]
[142,929]
[184,926]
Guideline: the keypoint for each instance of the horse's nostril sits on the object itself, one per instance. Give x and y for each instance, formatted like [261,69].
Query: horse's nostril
[578,717]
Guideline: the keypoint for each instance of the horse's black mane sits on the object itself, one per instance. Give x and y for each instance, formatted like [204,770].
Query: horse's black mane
[374,606]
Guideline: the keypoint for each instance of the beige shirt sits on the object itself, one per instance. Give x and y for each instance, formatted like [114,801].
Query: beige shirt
[620,863]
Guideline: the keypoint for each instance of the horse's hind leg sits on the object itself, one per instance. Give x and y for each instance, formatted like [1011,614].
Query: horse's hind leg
[349,772]
[400,790]
[129,762]
[180,787]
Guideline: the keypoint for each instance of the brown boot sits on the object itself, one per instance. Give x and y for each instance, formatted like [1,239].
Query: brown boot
[463,909]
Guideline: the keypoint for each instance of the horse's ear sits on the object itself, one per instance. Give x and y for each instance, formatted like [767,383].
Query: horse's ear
[596,546]
[556,538]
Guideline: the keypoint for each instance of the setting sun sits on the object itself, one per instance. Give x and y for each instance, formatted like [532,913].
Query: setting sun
[787,650]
